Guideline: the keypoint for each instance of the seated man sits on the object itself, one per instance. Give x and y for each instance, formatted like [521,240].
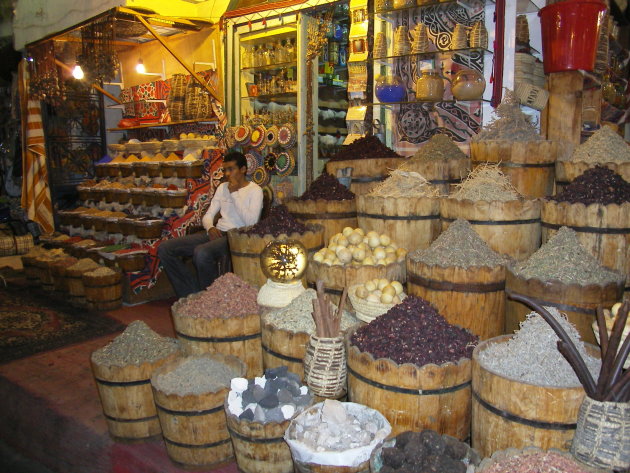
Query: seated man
[240,203]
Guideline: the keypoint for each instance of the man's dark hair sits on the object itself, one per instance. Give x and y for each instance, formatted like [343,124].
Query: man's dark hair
[237,157]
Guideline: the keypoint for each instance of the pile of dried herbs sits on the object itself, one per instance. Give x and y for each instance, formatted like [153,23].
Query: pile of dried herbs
[405,184]
[510,123]
[564,259]
[604,146]
[598,185]
[439,148]
[367,147]
[458,246]
[486,183]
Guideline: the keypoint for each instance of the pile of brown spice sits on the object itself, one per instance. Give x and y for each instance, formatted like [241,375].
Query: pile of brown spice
[598,185]
[84,264]
[440,147]
[486,183]
[136,345]
[327,187]
[509,124]
[367,147]
[604,146]
[101,271]
[227,296]
[277,222]
[459,246]
[564,259]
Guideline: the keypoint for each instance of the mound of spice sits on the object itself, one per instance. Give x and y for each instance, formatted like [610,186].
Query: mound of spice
[227,296]
[101,271]
[84,264]
[275,397]
[327,187]
[414,332]
[509,124]
[277,222]
[367,147]
[536,461]
[604,146]
[486,183]
[598,185]
[405,184]
[440,147]
[297,316]
[564,259]
[428,451]
[136,345]
[460,246]
[532,356]
[196,375]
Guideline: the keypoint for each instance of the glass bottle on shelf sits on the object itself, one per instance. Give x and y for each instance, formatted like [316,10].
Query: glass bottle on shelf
[271,55]
[280,53]
[291,50]
[245,57]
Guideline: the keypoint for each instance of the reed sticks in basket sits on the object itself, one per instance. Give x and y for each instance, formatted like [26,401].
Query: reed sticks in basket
[327,324]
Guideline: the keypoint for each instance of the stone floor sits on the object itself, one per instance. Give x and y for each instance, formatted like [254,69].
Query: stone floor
[51,414]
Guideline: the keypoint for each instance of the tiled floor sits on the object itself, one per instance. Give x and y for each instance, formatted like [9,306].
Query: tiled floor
[51,413]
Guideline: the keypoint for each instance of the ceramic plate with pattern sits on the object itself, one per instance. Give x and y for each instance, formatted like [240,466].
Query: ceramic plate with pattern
[285,163]
[257,137]
[285,135]
[252,163]
[261,176]
[270,161]
[242,134]
[271,139]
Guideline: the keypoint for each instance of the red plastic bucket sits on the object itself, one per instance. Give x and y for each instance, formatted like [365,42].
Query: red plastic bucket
[570,33]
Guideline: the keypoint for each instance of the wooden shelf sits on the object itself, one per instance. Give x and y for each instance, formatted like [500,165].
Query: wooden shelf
[158,125]
[270,67]
[431,54]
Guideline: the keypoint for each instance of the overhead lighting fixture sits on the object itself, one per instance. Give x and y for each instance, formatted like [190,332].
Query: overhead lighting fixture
[77,72]
[140,69]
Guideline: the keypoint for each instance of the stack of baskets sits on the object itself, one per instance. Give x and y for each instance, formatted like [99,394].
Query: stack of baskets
[177,97]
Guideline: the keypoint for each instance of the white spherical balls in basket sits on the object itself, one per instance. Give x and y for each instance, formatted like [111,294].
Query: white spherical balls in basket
[369,308]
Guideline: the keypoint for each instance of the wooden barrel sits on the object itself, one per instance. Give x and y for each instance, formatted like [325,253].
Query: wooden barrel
[366,173]
[283,348]
[194,427]
[103,292]
[333,215]
[259,448]
[443,174]
[31,271]
[509,228]
[127,399]
[58,273]
[529,165]
[603,230]
[245,250]
[410,222]
[579,303]
[411,397]
[510,414]
[238,336]
[337,277]
[473,298]
[45,275]
[76,291]
[567,171]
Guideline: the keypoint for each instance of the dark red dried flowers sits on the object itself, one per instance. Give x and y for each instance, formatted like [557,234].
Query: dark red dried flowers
[278,221]
[598,185]
[366,147]
[327,187]
[414,332]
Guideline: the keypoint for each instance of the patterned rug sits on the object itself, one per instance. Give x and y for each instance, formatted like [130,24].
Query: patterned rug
[32,322]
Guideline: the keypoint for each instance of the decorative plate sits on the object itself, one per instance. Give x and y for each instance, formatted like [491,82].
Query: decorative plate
[242,134]
[257,137]
[271,138]
[261,176]
[252,163]
[285,136]
[285,163]
[230,141]
[270,161]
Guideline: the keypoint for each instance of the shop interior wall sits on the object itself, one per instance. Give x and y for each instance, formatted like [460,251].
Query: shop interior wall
[204,46]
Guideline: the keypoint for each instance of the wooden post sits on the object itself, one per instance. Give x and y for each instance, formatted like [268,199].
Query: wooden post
[562,119]
[95,86]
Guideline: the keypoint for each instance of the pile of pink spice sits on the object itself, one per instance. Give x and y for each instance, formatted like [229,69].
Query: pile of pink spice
[537,462]
[228,296]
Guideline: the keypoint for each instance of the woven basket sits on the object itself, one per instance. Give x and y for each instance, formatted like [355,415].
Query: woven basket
[531,95]
[197,103]
[325,366]
[364,310]
[176,98]
[522,29]
[602,435]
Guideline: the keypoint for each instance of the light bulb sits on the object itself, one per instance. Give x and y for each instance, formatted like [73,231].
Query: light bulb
[77,72]
[140,69]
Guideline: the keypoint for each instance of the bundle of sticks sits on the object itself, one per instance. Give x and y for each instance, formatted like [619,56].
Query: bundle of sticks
[613,382]
[327,323]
